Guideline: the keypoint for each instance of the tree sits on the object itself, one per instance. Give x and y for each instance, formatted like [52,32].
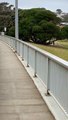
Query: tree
[37,24]
[65,17]
[46,33]
[11,31]
[64,32]
[37,34]
[59,11]
[31,24]
[6,16]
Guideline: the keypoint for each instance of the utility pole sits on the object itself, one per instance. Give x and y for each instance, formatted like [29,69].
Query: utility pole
[16,20]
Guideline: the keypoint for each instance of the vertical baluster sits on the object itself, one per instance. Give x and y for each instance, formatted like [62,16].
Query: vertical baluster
[22,51]
[48,77]
[27,56]
[35,64]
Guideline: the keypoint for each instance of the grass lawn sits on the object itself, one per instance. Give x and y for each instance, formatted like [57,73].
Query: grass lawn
[60,49]
[63,43]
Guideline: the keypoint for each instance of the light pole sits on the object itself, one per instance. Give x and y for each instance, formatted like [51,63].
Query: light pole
[16,20]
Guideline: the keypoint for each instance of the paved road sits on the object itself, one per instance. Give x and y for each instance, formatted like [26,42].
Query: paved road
[19,98]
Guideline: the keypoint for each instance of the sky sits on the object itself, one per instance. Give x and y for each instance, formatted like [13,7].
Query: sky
[48,4]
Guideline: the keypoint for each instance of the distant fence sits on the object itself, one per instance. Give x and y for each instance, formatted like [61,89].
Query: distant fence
[52,70]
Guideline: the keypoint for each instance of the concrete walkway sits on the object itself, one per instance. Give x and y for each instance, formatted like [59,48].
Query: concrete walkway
[19,98]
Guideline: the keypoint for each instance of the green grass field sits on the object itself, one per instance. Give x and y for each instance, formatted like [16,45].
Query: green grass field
[63,43]
[60,49]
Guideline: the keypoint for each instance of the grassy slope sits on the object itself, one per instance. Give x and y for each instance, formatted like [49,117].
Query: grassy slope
[64,43]
[58,51]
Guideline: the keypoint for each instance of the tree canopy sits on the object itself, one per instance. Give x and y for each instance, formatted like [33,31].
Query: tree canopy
[36,24]
[6,16]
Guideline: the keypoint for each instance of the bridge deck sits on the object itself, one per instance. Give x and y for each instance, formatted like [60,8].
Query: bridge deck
[19,98]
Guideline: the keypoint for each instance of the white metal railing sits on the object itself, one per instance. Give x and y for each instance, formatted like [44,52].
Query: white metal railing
[52,70]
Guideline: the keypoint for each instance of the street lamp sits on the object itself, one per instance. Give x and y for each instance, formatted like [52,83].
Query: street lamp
[16,19]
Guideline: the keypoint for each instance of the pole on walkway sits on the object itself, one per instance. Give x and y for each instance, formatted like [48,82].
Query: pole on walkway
[16,20]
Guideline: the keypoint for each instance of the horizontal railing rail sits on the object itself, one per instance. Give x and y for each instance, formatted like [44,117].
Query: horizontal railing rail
[52,70]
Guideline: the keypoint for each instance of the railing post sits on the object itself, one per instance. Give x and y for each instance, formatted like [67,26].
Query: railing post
[19,48]
[15,45]
[35,64]
[27,56]
[48,77]
[22,51]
